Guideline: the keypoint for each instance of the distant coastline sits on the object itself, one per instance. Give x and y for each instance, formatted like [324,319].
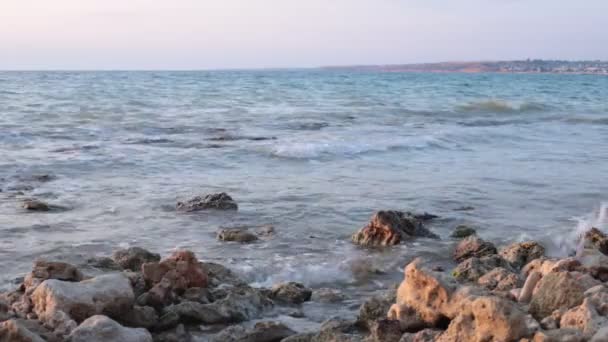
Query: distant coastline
[515,66]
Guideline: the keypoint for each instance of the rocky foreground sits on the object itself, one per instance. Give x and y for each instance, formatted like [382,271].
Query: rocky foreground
[513,293]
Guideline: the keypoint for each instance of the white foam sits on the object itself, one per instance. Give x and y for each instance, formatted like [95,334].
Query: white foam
[572,242]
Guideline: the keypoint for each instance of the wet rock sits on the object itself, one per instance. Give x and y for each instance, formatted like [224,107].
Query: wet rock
[558,335]
[462,231]
[390,228]
[474,268]
[197,294]
[473,246]
[327,295]
[221,275]
[598,239]
[409,319]
[426,335]
[110,294]
[598,296]
[236,234]
[35,205]
[44,270]
[172,275]
[423,216]
[487,319]
[601,335]
[133,258]
[291,292]
[500,279]
[465,208]
[18,330]
[101,328]
[375,308]
[103,263]
[520,254]
[239,305]
[385,330]
[559,290]
[338,330]
[584,318]
[139,317]
[261,332]
[220,201]
[178,334]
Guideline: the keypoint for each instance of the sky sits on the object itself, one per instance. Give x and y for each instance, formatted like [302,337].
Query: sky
[226,34]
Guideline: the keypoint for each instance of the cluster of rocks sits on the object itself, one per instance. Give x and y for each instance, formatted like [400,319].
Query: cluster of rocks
[392,227]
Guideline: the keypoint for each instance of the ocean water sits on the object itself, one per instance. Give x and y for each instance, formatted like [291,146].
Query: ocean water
[312,152]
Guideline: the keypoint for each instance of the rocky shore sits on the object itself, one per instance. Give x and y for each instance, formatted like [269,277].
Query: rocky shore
[494,293]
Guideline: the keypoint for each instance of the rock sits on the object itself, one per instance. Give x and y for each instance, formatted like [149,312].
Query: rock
[526,292]
[236,235]
[261,332]
[559,290]
[110,294]
[172,275]
[520,254]
[385,330]
[291,292]
[390,228]
[35,205]
[327,295]
[220,275]
[487,319]
[101,328]
[584,318]
[422,217]
[473,246]
[18,330]
[375,308]
[465,208]
[474,268]
[426,335]
[178,334]
[44,270]
[408,318]
[601,335]
[500,279]
[427,292]
[133,258]
[598,239]
[139,317]
[463,231]
[239,305]
[598,296]
[197,294]
[338,330]
[558,335]
[220,201]
[103,263]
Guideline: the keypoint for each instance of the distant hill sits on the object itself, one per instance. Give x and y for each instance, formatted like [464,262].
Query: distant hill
[521,66]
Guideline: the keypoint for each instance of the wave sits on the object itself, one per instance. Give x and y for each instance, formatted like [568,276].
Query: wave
[501,106]
[571,243]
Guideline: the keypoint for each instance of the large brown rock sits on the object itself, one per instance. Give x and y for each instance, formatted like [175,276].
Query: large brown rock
[390,228]
[559,290]
[219,201]
[180,271]
[584,318]
[473,246]
[487,319]
[109,294]
[521,253]
[133,258]
[241,235]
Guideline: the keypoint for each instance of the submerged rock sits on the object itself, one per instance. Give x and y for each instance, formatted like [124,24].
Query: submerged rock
[101,328]
[291,292]
[390,228]
[473,246]
[133,258]
[520,254]
[236,234]
[220,201]
[261,332]
[35,205]
[462,231]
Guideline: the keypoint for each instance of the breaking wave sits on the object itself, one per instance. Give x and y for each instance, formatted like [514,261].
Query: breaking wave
[570,243]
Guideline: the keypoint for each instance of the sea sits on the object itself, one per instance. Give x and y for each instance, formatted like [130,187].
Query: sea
[312,152]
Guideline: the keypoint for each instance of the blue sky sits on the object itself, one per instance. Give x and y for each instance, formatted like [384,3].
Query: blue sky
[211,34]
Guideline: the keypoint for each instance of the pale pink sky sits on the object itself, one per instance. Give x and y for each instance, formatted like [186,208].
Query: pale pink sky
[209,34]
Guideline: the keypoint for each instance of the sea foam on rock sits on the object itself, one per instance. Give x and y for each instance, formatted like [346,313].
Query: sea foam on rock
[390,228]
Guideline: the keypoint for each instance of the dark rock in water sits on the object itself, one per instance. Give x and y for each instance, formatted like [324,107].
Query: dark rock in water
[327,295]
[465,208]
[291,292]
[41,178]
[221,201]
[133,257]
[103,263]
[172,275]
[422,217]
[463,231]
[236,234]
[261,332]
[390,228]
[220,275]
[35,205]
[375,308]
[473,246]
[598,239]
[520,254]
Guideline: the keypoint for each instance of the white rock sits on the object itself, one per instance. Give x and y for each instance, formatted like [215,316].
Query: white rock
[101,328]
